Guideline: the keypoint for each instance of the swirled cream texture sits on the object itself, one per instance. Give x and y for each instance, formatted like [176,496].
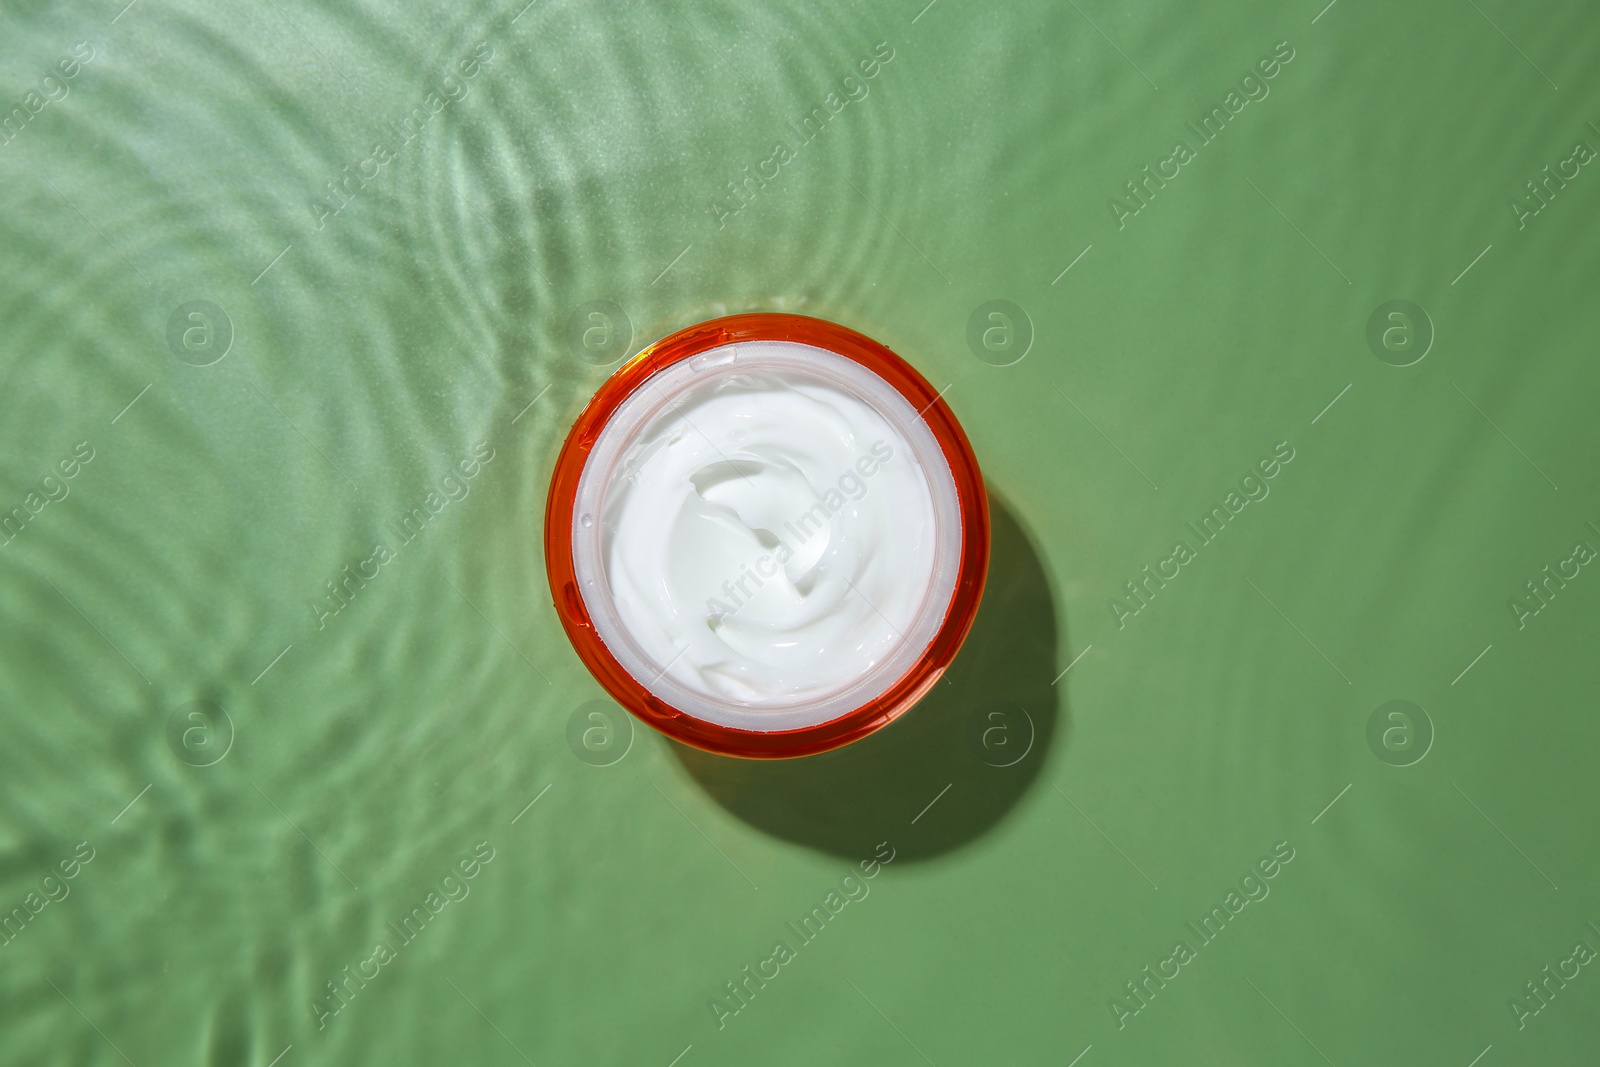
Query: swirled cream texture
[768,537]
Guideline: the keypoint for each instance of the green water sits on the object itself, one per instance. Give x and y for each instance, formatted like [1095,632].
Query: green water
[267,787]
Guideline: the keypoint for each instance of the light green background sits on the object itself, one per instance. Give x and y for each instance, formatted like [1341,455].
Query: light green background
[371,355]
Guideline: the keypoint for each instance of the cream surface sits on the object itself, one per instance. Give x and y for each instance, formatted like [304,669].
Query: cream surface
[768,536]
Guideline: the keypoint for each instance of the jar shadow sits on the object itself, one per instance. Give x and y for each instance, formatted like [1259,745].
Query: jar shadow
[948,770]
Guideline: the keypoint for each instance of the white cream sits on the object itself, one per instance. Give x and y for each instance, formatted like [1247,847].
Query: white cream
[758,531]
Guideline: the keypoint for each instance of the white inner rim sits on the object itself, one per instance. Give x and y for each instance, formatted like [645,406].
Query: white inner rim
[641,407]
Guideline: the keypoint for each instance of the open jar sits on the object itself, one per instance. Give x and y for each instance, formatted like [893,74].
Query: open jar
[766,535]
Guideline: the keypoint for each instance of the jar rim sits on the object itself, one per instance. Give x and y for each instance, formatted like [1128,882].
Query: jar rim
[892,701]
